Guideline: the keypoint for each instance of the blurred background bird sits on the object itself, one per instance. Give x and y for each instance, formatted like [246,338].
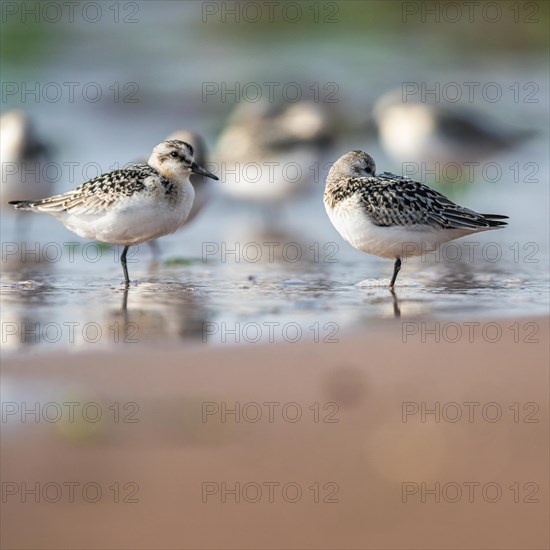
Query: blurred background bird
[267,152]
[23,157]
[412,130]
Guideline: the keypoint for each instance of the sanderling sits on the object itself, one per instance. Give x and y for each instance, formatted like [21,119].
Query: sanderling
[411,130]
[391,216]
[22,156]
[268,152]
[132,205]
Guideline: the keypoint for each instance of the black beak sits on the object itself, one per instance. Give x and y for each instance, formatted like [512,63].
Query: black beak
[196,169]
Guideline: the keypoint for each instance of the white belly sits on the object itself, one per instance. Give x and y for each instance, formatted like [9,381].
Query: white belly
[132,221]
[387,242]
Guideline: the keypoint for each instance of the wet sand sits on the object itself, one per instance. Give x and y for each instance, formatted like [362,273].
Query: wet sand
[328,445]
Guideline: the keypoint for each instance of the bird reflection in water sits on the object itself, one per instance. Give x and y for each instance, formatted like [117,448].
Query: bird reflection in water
[158,311]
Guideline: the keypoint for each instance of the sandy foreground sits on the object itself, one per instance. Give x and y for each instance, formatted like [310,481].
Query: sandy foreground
[386,439]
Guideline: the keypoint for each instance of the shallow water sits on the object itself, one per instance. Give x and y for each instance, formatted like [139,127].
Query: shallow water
[70,297]
[242,282]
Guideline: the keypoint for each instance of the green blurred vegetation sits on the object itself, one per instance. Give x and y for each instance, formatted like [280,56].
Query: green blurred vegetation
[20,42]
[521,25]
[175,261]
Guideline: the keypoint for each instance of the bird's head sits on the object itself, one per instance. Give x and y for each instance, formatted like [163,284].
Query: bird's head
[355,164]
[174,160]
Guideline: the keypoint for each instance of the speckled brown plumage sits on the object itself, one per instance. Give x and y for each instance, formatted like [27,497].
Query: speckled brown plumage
[98,194]
[390,200]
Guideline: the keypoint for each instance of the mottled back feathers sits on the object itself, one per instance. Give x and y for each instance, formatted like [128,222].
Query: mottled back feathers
[390,200]
[98,194]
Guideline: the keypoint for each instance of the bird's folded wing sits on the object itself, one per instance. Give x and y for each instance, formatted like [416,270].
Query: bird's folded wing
[98,194]
[402,202]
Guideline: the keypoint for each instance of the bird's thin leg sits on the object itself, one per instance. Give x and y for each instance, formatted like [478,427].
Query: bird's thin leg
[396,268]
[124,268]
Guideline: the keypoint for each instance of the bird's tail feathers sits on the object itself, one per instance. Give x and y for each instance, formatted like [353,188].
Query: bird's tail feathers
[495,220]
[22,205]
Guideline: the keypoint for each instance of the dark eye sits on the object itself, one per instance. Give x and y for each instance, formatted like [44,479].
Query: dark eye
[174,155]
[368,170]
